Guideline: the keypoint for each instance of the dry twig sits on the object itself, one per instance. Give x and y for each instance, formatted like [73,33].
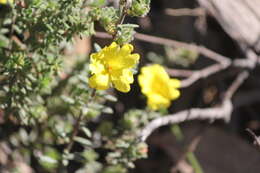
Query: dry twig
[185,12]
[191,147]
[235,85]
[256,138]
[221,112]
[179,72]
[203,74]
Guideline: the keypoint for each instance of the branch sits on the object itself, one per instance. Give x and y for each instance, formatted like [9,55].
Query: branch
[190,148]
[203,74]
[236,84]
[74,133]
[256,138]
[177,44]
[179,72]
[250,61]
[185,12]
[77,125]
[221,112]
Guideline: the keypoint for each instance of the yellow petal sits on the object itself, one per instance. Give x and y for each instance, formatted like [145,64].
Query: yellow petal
[122,86]
[145,82]
[120,58]
[122,79]
[99,81]
[131,60]
[113,45]
[127,76]
[175,83]
[174,94]
[156,102]
[96,56]
[111,49]
[96,67]
[127,48]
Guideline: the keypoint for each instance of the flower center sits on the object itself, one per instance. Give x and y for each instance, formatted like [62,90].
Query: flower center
[109,68]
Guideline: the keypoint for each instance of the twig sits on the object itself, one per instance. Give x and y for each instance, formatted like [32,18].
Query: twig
[123,6]
[190,148]
[256,138]
[177,44]
[236,84]
[203,74]
[223,61]
[77,125]
[10,46]
[250,61]
[185,12]
[74,133]
[221,112]
[179,72]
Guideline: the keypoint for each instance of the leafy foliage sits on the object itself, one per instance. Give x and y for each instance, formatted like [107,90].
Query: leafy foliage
[50,115]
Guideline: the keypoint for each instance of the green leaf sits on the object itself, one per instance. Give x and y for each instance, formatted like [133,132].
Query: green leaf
[139,8]
[125,33]
[97,47]
[90,155]
[108,110]
[110,98]
[3,41]
[83,141]
[67,99]
[49,159]
[96,3]
[86,131]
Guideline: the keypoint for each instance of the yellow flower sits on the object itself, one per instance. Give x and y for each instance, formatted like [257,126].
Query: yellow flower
[113,66]
[6,1]
[158,87]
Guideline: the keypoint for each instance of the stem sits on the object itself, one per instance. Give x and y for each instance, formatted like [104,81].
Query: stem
[123,7]
[77,125]
[74,133]
[10,46]
[189,153]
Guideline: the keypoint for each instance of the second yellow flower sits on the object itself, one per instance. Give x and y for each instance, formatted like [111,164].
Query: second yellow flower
[158,87]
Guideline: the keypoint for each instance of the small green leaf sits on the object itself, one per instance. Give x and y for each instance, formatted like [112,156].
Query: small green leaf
[96,3]
[110,98]
[83,141]
[108,110]
[97,47]
[86,131]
